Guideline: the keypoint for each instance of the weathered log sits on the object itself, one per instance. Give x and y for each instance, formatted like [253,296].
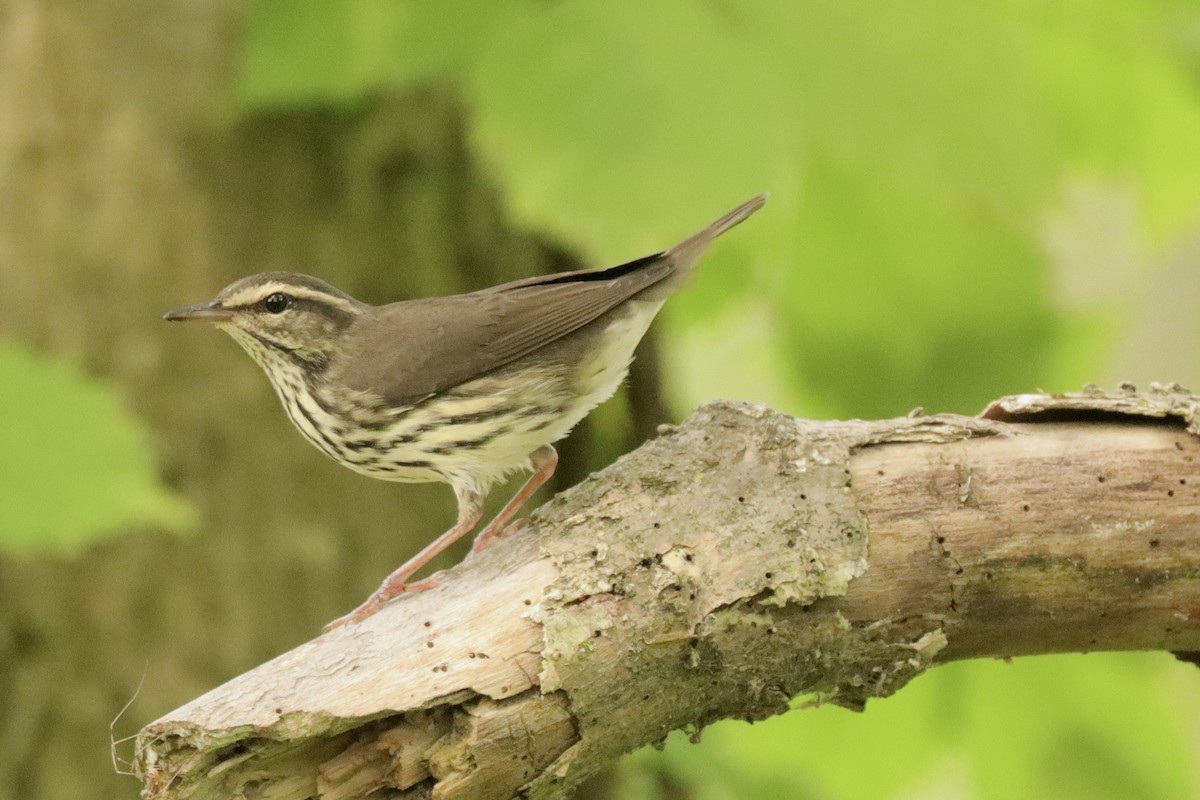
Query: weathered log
[733,563]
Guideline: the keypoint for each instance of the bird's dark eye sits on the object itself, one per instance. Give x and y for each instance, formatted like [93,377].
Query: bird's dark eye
[277,303]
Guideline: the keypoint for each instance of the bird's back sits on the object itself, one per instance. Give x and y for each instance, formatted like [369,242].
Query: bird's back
[411,350]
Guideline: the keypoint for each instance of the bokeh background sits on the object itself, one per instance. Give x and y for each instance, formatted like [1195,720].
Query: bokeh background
[968,200]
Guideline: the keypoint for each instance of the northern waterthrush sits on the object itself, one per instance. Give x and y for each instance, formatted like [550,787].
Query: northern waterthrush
[463,389]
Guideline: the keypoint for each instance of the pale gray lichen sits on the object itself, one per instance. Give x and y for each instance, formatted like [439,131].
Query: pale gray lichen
[745,487]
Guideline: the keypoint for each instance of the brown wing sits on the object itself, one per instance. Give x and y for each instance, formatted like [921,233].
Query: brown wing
[410,350]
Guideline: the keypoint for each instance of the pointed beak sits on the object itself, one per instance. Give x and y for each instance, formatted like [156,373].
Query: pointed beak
[203,312]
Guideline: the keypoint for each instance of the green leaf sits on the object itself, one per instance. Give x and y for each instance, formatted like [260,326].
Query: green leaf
[75,464]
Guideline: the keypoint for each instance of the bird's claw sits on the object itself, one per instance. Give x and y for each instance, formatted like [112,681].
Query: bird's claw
[377,601]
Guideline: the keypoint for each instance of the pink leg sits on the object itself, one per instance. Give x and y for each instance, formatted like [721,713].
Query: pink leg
[470,509]
[545,460]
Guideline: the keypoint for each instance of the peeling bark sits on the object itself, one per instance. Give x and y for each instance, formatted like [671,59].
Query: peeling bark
[724,568]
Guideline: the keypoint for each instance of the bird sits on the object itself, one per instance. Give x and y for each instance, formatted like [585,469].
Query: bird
[463,389]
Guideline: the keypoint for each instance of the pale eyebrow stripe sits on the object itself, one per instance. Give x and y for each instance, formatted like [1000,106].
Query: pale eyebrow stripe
[256,294]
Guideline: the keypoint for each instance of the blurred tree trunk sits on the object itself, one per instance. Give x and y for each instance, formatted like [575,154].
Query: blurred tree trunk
[126,188]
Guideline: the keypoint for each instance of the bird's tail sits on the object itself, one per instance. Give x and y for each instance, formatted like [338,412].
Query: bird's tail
[685,254]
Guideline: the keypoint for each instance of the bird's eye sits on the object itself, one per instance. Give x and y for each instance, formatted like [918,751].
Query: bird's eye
[277,303]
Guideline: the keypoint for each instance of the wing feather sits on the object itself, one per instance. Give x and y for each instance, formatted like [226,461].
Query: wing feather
[408,351]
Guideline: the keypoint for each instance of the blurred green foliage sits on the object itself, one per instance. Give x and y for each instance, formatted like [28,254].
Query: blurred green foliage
[1067,727]
[75,464]
[915,151]
[934,165]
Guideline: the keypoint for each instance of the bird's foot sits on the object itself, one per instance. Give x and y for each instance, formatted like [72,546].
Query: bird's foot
[544,461]
[376,601]
[489,535]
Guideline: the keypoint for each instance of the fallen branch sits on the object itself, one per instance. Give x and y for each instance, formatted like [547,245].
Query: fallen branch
[719,571]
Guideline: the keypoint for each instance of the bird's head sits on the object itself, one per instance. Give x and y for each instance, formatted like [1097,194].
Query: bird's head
[279,314]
